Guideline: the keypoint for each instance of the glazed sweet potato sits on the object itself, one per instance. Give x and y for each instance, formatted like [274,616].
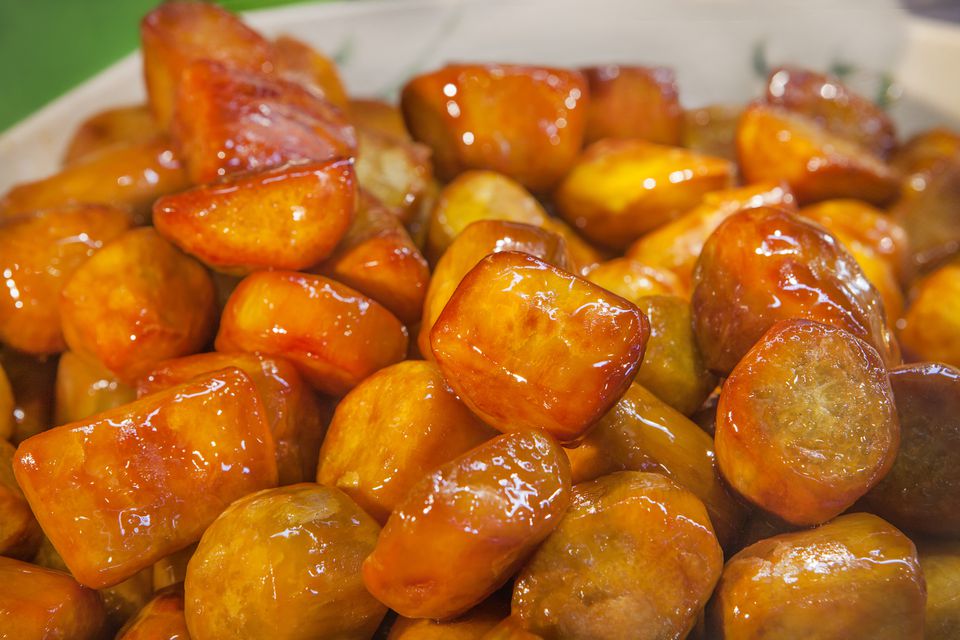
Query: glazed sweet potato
[32,381]
[298,61]
[397,172]
[712,130]
[940,562]
[925,151]
[528,346]
[472,625]
[524,122]
[7,404]
[132,125]
[129,486]
[85,388]
[632,280]
[20,535]
[161,619]
[379,116]
[930,328]
[633,102]
[928,212]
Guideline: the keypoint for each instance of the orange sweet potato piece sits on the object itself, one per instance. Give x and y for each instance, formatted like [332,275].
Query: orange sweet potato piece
[633,102]
[676,245]
[511,628]
[378,258]
[930,329]
[525,122]
[856,577]
[173,568]
[465,528]
[528,346]
[334,335]
[310,540]
[620,189]
[829,103]
[633,280]
[133,124]
[7,405]
[776,144]
[472,625]
[135,302]
[929,212]
[295,415]
[806,422]
[130,176]
[120,490]
[395,427]
[230,121]
[396,172]
[177,33]
[40,603]
[940,562]
[925,151]
[20,535]
[298,61]
[712,130]
[289,217]
[380,116]
[634,557]
[762,265]
[85,388]
[161,619]
[474,243]
[32,381]
[38,255]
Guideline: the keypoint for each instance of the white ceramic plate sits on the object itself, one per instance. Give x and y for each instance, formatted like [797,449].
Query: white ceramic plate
[719,49]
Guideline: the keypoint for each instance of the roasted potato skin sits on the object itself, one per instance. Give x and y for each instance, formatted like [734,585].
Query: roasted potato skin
[525,122]
[633,102]
[395,427]
[310,540]
[464,529]
[161,619]
[38,254]
[137,301]
[806,422]
[133,124]
[634,557]
[765,264]
[128,472]
[856,576]
[559,318]
[334,335]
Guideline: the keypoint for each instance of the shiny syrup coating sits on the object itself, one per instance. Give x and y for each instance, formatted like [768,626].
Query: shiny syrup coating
[524,122]
[380,116]
[230,121]
[38,254]
[296,416]
[85,388]
[464,529]
[118,125]
[528,346]
[284,564]
[928,213]
[395,170]
[940,562]
[137,301]
[634,557]
[161,619]
[471,245]
[633,102]
[641,433]
[20,534]
[511,628]
[334,335]
[922,491]
[712,130]
[925,151]
[621,189]
[930,329]
[855,577]
[37,603]
[806,422]
[7,405]
[633,280]
[295,60]
[289,217]
[473,625]
[395,427]
[763,265]
[127,487]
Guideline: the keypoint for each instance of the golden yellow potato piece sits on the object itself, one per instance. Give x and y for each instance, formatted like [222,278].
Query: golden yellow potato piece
[633,280]
[930,328]
[161,619]
[84,388]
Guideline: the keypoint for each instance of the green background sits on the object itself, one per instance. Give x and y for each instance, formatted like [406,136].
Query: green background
[50,46]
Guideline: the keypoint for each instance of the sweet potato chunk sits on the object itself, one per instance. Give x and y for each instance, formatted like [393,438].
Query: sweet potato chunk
[776,144]
[37,603]
[85,388]
[922,491]
[634,557]
[310,540]
[929,212]
[290,217]
[379,116]
[528,346]
[38,254]
[230,121]
[396,172]
[464,529]
[161,619]
[525,122]
[173,568]
[32,382]
[297,418]
[621,189]
[806,423]
[129,486]
[633,280]
[474,243]
[129,176]
[676,245]
[175,34]
[392,429]
[298,61]
[829,103]
[135,302]
[132,125]
[764,265]
[925,151]
[335,336]
[472,625]
[930,329]
[7,404]
[940,561]
[378,258]
[633,102]
[856,577]
[511,628]
[712,130]
[20,535]
[642,433]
